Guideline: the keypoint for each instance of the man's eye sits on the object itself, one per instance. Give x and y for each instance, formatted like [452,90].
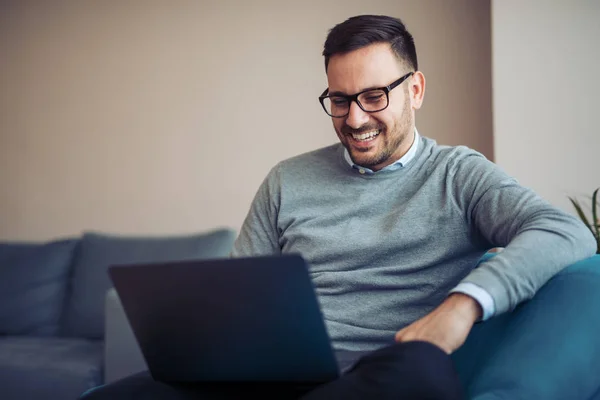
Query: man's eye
[374,98]
[339,102]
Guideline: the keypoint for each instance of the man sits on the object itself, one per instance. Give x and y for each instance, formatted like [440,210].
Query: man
[392,226]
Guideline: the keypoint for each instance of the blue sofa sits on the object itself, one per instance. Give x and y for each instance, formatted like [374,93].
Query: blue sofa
[547,348]
[52,301]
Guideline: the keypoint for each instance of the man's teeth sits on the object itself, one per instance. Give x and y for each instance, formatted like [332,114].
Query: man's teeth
[366,135]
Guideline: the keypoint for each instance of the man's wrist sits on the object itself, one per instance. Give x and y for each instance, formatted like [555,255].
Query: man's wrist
[465,305]
[481,295]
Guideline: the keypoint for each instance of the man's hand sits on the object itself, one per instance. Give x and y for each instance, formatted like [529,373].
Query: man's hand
[447,326]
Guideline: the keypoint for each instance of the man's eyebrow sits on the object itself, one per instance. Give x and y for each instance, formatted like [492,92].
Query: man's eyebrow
[339,93]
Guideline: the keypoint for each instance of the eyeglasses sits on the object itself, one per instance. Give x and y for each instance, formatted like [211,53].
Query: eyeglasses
[370,100]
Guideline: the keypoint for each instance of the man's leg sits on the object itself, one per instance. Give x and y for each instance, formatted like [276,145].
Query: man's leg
[139,386]
[410,370]
[143,386]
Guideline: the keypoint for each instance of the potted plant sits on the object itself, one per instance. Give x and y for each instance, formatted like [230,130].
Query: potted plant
[594,223]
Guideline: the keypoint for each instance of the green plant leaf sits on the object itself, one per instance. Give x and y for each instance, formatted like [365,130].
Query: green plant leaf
[594,226]
[582,215]
[595,214]
[595,219]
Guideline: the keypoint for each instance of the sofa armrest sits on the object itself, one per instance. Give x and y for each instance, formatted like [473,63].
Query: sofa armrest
[546,348]
[122,355]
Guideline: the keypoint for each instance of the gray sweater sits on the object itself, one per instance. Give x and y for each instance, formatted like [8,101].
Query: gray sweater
[385,249]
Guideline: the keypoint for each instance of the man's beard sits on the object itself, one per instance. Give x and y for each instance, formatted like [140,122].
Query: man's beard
[391,143]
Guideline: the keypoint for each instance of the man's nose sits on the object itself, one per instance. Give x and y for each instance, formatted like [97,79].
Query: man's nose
[356,116]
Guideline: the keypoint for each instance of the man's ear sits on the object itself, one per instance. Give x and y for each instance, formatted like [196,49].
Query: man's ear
[417,89]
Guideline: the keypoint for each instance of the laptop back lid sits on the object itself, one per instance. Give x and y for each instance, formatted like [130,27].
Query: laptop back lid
[234,319]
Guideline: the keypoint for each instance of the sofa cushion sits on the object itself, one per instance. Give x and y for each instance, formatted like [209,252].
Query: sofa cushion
[84,315]
[547,348]
[48,368]
[33,284]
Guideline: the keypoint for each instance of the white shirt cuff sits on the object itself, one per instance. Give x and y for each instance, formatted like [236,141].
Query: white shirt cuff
[484,299]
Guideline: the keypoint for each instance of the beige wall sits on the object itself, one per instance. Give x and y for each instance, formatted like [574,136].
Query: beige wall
[164,116]
[546,61]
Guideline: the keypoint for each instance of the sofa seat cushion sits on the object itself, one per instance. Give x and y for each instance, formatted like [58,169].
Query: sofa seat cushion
[90,281]
[547,348]
[48,368]
[33,286]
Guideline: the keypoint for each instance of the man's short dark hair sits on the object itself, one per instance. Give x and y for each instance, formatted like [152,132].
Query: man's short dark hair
[363,30]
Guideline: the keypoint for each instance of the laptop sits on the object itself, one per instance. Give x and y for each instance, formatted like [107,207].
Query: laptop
[228,320]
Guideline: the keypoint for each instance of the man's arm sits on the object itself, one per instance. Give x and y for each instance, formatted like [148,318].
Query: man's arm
[539,241]
[259,234]
[447,326]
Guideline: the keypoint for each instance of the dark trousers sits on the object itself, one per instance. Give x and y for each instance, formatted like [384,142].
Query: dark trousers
[411,370]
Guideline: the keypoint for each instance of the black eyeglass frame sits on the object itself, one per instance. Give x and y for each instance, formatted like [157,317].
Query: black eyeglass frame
[354,97]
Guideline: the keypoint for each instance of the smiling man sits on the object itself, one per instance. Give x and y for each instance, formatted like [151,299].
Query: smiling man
[392,226]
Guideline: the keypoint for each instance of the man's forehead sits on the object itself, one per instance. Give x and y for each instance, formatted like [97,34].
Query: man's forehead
[372,66]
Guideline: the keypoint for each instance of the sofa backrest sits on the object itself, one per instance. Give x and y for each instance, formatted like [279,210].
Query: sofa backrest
[84,312]
[33,286]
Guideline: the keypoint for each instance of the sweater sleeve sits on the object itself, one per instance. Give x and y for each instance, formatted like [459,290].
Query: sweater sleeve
[259,233]
[538,239]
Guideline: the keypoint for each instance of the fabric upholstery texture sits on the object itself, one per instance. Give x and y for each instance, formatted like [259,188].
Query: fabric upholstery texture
[85,312]
[547,348]
[48,368]
[33,286]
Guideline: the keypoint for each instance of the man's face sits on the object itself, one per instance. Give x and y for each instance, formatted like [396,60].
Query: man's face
[370,67]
